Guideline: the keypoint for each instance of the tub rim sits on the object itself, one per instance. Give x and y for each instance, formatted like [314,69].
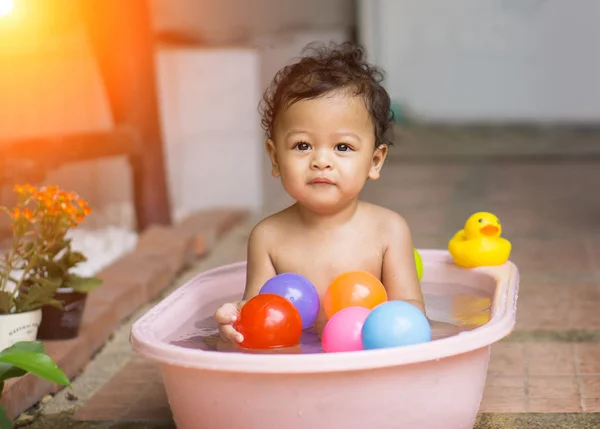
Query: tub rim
[501,324]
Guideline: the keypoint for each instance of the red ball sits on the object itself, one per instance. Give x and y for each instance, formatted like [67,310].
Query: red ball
[269,321]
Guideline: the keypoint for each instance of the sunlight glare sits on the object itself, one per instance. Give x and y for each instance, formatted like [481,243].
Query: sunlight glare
[6,6]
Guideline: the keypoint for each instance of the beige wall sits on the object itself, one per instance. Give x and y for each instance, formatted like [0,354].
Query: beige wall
[466,61]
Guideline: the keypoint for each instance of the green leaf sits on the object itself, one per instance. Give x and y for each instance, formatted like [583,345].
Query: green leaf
[52,282]
[28,346]
[6,302]
[38,364]
[10,371]
[56,304]
[40,293]
[83,284]
[72,258]
[5,422]
[58,246]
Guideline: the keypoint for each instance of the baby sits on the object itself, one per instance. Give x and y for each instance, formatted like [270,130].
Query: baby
[328,123]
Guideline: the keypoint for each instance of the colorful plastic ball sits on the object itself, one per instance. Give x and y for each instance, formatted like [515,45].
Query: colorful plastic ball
[269,321]
[419,263]
[300,291]
[395,324]
[342,332]
[353,289]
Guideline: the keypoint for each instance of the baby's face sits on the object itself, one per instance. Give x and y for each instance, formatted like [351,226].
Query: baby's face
[323,150]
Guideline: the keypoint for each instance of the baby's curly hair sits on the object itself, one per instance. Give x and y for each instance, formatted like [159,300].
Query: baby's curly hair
[328,69]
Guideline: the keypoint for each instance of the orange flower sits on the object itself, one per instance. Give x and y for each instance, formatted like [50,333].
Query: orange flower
[45,199]
[52,210]
[28,214]
[51,189]
[61,209]
[26,189]
[65,195]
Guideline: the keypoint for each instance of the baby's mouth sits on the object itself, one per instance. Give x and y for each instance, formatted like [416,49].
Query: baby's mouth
[321,181]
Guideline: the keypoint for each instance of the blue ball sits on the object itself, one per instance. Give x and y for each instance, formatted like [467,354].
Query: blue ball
[395,324]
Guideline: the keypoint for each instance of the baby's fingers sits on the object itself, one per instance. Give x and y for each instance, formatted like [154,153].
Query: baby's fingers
[229,333]
[226,314]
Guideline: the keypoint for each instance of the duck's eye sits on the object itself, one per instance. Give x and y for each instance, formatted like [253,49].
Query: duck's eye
[480,220]
[498,222]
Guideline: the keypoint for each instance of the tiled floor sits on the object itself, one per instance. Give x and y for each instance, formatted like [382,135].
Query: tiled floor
[543,377]
[551,213]
[120,399]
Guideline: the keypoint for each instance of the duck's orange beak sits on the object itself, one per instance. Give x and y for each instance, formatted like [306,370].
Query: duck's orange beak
[489,230]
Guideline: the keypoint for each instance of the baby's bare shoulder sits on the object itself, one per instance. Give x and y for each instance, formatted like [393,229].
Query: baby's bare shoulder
[387,221]
[268,229]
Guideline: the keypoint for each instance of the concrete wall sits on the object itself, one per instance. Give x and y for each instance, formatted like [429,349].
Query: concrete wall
[488,60]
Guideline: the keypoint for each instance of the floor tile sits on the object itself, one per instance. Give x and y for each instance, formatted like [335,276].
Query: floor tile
[505,404]
[549,359]
[564,256]
[552,387]
[588,358]
[507,359]
[543,305]
[584,309]
[591,405]
[558,306]
[590,386]
[136,392]
[498,388]
[554,405]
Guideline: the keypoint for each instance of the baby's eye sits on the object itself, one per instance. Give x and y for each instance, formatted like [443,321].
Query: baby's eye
[302,146]
[342,147]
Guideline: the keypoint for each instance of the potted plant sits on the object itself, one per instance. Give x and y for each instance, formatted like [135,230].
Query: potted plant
[24,357]
[36,278]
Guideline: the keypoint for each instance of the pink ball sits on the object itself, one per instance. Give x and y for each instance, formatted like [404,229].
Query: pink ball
[342,332]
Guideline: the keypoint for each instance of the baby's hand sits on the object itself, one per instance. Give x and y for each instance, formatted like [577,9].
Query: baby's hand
[225,316]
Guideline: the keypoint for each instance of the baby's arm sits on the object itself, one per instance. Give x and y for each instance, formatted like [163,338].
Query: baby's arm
[399,273]
[260,267]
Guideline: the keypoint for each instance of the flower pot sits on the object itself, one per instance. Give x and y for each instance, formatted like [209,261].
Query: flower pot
[63,324]
[16,327]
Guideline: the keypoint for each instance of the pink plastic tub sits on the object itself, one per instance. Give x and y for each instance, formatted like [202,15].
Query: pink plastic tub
[436,385]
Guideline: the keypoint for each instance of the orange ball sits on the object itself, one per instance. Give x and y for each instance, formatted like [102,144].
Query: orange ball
[353,289]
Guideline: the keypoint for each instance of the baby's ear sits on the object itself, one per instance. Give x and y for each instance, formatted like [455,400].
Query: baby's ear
[272,152]
[379,156]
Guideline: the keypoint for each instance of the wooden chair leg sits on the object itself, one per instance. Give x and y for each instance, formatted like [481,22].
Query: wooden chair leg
[145,200]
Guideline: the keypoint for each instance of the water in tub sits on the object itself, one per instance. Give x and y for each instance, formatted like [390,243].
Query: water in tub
[452,309]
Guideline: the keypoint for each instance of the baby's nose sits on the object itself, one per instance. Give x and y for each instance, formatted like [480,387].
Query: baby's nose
[320,160]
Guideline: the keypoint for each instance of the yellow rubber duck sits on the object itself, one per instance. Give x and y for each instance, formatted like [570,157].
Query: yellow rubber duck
[479,243]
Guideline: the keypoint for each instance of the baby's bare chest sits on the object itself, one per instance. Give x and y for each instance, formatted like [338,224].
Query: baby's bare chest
[321,260]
